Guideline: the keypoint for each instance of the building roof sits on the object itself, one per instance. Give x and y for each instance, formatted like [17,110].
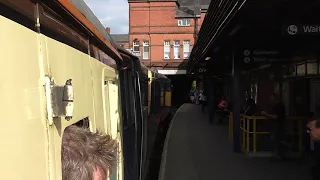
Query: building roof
[120,37]
[190,8]
[186,8]
[193,2]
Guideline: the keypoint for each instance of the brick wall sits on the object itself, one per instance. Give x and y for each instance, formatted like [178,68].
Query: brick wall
[155,22]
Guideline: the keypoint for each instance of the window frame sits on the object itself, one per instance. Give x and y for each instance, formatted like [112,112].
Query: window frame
[174,47]
[135,45]
[184,22]
[184,44]
[146,43]
[164,49]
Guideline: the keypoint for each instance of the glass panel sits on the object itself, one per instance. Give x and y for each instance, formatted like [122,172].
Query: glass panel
[146,49]
[177,52]
[188,22]
[167,49]
[301,70]
[167,55]
[186,54]
[312,68]
[136,48]
[145,55]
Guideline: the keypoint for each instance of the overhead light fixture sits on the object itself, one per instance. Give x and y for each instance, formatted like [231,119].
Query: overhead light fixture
[207,58]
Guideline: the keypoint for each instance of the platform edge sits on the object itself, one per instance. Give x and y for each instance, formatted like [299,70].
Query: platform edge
[163,164]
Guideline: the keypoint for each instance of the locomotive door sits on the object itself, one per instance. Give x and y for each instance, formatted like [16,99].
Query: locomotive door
[66,58]
[112,106]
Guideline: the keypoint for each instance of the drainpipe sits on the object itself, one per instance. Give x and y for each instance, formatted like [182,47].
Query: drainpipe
[195,22]
[149,37]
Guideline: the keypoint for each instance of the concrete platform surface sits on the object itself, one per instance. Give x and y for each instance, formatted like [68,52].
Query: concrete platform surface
[195,150]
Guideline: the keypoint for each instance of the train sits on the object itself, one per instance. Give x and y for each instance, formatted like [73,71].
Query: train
[59,67]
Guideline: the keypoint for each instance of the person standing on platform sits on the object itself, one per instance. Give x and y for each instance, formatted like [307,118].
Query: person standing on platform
[277,117]
[314,132]
[211,102]
[203,100]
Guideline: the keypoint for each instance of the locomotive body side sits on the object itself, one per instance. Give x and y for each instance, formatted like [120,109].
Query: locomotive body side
[44,57]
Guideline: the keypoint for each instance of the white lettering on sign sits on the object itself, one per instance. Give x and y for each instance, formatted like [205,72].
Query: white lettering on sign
[311,29]
[264,52]
[305,29]
[202,70]
[256,59]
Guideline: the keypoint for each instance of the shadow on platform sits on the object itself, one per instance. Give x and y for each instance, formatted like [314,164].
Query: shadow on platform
[195,150]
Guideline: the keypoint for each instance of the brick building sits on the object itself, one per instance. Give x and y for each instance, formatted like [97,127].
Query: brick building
[162,32]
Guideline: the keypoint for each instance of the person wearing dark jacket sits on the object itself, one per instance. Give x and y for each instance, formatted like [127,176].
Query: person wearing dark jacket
[251,107]
[277,117]
[314,132]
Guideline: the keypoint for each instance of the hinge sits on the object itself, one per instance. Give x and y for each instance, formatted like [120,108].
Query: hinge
[59,99]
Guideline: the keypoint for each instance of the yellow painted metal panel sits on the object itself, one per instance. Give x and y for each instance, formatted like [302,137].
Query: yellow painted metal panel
[168,95]
[114,122]
[24,142]
[33,147]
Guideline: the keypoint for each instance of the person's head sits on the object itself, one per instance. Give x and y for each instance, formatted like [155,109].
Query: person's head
[274,97]
[86,155]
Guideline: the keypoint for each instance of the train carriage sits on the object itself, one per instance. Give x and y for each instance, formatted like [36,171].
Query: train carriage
[60,67]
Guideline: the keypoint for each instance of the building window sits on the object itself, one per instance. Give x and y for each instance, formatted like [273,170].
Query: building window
[176,50]
[146,50]
[166,49]
[184,22]
[136,46]
[186,49]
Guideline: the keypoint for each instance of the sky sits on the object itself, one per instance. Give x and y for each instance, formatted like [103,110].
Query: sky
[111,13]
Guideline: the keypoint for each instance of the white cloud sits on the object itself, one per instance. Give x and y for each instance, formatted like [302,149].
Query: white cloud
[112,13]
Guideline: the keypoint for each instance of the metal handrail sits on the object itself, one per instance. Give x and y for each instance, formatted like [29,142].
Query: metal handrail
[245,123]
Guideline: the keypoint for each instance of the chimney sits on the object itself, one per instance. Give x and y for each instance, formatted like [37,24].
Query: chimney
[108,30]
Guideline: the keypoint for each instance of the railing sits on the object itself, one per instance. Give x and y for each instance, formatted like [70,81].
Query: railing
[245,127]
[231,126]
[248,128]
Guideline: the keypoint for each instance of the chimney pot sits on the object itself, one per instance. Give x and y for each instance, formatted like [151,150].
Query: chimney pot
[108,30]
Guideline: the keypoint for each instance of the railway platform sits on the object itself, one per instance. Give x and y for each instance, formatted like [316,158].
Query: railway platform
[195,150]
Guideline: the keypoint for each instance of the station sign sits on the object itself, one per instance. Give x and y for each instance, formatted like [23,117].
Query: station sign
[262,55]
[299,29]
[202,70]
